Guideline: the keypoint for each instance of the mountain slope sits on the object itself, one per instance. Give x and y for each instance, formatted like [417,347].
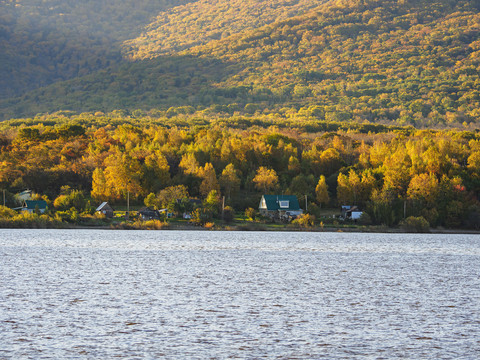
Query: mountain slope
[200,22]
[374,59]
[402,62]
[44,41]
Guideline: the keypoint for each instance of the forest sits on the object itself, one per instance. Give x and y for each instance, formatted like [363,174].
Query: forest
[46,41]
[368,103]
[391,62]
[391,173]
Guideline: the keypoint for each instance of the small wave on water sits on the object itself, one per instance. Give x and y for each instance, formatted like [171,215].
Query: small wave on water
[196,295]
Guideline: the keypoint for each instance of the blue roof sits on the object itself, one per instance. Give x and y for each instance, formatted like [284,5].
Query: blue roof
[281,202]
[32,204]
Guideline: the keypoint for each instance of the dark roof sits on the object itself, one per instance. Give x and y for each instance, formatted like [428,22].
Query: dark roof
[349,209]
[147,210]
[273,202]
[104,206]
[32,204]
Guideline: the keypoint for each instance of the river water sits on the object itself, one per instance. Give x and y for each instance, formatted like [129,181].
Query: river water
[238,295]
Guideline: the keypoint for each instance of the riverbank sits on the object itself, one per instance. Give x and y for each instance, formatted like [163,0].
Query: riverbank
[33,221]
[255,227]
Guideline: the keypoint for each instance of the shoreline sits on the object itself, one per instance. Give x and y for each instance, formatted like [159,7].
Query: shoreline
[265,228]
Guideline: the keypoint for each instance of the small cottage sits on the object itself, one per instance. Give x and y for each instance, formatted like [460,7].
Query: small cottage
[284,207]
[32,205]
[351,212]
[166,213]
[105,209]
[147,213]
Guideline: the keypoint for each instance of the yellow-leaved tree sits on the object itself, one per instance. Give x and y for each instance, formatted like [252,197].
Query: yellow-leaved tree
[265,179]
[321,191]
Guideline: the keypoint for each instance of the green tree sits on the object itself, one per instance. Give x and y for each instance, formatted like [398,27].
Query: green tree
[212,202]
[151,201]
[74,199]
[172,194]
[229,180]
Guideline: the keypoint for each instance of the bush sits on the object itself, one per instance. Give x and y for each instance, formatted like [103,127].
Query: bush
[228,214]
[250,213]
[209,225]
[70,215]
[365,219]
[201,216]
[150,225]
[28,220]
[304,220]
[74,199]
[6,212]
[415,224]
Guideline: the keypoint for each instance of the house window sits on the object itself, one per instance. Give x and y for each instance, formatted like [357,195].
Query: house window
[284,204]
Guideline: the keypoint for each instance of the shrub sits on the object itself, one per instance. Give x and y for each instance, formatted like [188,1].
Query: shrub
[74,199]
[70,215]
[365,219]
[250,213]
[209,225]
[6,212]
[29,220]
[201,216]
[304,220]
[415,224]
[228,214]
[150,225]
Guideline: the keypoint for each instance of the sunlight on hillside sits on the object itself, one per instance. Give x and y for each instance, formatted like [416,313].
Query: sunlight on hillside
[199,22]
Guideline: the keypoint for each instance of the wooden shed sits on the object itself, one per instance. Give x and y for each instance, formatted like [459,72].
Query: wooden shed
[105,209]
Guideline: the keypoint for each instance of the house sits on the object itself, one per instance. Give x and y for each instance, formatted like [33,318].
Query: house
[284,207]
[351,212]
[148,213]
[105,209]
[24,195]
[165,212]
[32,205]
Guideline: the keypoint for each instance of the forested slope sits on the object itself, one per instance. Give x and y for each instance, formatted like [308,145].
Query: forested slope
[45,41]
[401,62]
[200,22]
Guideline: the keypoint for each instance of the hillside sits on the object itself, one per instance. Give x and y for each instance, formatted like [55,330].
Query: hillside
[399,62]
[199,22]
[45,41]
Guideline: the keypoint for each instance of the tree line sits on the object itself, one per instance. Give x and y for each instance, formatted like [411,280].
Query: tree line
[390,174]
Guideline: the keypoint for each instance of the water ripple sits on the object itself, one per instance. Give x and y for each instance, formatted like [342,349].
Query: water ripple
[196,295]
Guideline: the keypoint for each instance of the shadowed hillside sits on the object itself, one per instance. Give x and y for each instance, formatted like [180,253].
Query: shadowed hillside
[45,41]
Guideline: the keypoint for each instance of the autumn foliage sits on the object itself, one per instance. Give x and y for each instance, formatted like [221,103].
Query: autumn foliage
[391,173]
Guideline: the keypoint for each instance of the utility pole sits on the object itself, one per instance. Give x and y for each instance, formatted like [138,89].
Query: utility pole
[128,205]
[223,207]
[306,204]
